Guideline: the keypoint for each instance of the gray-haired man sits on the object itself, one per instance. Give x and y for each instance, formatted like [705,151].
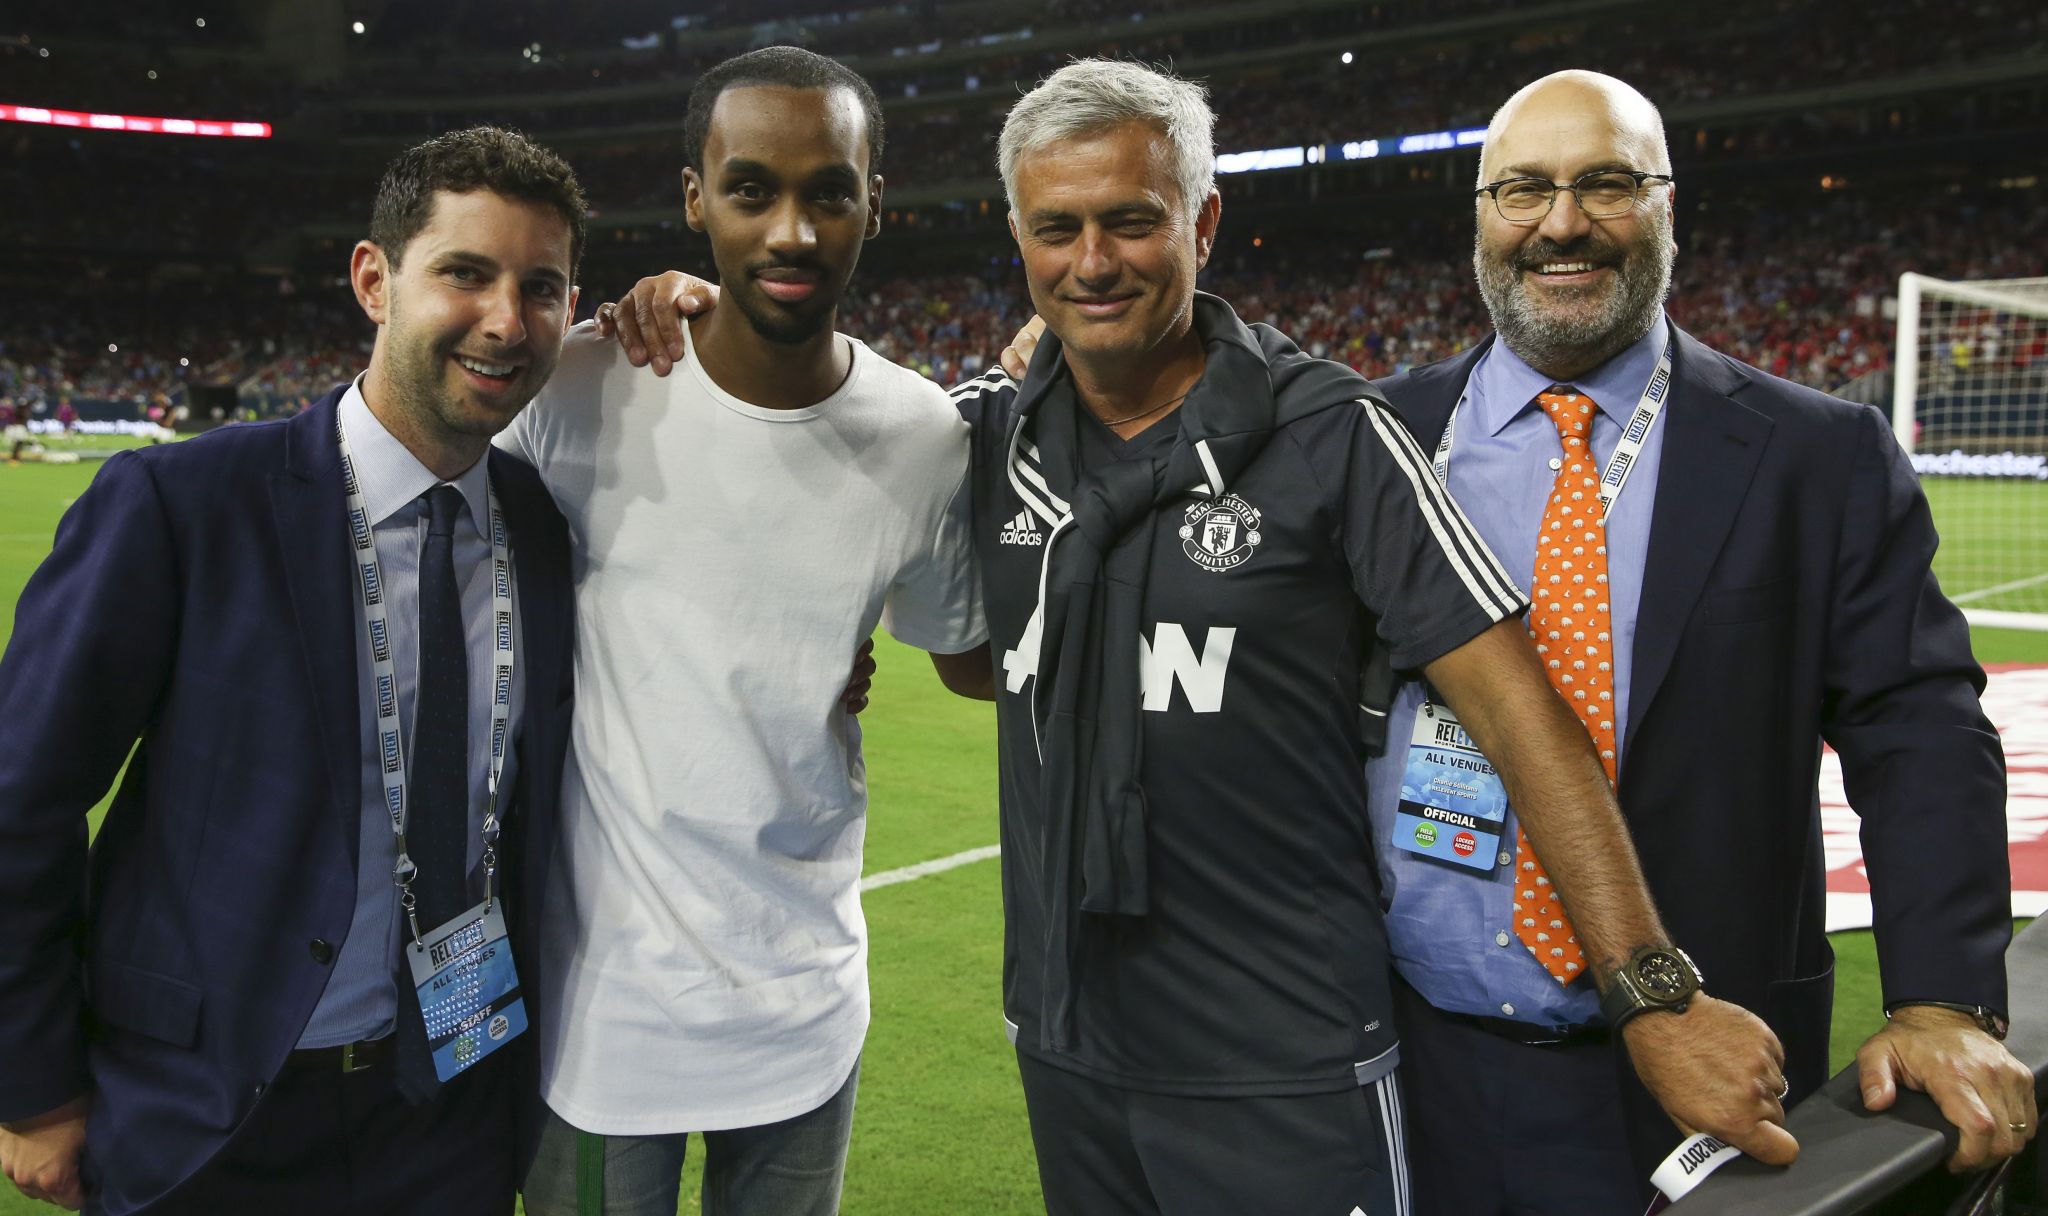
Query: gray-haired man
[1196,974]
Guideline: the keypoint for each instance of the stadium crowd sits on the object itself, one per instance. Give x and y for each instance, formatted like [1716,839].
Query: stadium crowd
[1794,284]
[1798,290]
[222,198]
[135,357]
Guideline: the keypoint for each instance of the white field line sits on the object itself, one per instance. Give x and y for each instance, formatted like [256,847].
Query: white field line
[1986,592]
[938,865]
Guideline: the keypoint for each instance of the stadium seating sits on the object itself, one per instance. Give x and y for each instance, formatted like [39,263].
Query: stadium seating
[1821,150]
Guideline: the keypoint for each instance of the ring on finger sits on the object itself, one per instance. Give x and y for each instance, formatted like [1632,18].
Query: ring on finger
[1784,1087]
[2018,1127]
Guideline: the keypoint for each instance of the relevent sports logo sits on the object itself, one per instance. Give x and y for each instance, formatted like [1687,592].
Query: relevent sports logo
[1022,530]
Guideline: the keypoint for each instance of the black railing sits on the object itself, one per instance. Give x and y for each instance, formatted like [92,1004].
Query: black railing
[1856,1163]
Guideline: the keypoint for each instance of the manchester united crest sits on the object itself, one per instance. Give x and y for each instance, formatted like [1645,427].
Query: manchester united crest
[1220,534]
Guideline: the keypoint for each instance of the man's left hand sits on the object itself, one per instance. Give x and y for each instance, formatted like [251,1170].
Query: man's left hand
[1716,1068]
[1979,1086]
[1016,357]
[861,680]
[648,323]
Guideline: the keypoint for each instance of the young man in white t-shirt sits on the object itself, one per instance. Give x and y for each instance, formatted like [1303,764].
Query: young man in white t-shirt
[738,529]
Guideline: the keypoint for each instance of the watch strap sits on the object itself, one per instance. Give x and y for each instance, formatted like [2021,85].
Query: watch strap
[1626,995]
[1988,1020]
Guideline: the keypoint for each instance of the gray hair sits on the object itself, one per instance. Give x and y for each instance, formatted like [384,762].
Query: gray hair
[1090,96]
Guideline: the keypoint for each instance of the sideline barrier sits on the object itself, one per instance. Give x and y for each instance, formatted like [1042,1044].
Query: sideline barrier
[1853,1161]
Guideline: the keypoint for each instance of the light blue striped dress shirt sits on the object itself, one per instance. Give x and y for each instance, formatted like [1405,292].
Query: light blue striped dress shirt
[1449,926]
[360,999]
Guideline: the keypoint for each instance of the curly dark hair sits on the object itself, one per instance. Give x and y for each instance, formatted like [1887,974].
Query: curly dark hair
[790,67]
[477,158]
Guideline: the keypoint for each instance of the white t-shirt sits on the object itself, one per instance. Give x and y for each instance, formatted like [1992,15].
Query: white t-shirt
[704,957]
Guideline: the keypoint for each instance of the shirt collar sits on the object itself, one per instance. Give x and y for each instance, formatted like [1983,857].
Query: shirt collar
[391,477]
[1502,386]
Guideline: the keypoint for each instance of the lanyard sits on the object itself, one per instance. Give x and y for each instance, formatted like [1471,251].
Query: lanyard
[1620,463]
[390,733]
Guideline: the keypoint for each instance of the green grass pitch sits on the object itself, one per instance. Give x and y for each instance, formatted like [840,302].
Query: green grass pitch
[1994,550]
[941,1128]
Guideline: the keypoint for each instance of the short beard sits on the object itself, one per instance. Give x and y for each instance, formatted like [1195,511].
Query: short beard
[1564,345]
[415,373]
[785,329]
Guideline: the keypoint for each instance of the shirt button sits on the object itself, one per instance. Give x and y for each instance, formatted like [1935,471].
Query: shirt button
[1506,857]
[1556,463]
[1501,938]
[1507,1009]
[320,950]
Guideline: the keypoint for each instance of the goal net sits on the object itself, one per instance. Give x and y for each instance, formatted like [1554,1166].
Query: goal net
[1970,402]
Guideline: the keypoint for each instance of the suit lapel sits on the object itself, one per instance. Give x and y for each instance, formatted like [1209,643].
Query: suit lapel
[311,515]
[1712,444]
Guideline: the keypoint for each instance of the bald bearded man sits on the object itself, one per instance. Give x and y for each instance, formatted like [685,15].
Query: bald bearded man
[1764,552]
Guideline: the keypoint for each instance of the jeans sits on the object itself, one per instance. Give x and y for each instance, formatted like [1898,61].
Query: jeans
[791,1168]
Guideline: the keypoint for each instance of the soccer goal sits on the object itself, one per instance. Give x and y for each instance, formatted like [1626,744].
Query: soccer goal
[1970,402]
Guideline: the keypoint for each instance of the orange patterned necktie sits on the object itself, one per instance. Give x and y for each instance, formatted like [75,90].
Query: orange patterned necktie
[1570,621]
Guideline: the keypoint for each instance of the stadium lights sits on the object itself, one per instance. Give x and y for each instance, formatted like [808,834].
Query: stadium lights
[1357,149]
[130,122]
[184,363]
[113,348]
[1265,158]
[357,27]
[1347,57]
[202,23]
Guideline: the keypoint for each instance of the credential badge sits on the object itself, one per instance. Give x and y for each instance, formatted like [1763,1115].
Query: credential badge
[1220,534]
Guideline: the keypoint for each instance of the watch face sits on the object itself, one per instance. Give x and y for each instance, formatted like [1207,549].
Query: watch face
[1662,976]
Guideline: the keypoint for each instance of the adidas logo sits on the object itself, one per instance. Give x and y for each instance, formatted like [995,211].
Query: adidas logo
[1022,530]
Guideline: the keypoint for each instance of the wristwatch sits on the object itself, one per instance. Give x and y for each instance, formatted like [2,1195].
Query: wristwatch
[1655,977]
[1988,1020]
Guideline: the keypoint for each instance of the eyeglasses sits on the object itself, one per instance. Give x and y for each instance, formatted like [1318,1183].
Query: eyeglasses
[1602,195]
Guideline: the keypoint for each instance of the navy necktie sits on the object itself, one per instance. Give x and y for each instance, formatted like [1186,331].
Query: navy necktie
[437,805]
[437,830]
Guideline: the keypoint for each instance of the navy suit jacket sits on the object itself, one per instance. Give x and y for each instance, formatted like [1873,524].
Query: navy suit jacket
[201,598]
[1787,599]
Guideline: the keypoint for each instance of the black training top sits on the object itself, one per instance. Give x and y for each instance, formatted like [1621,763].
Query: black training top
[1260,965]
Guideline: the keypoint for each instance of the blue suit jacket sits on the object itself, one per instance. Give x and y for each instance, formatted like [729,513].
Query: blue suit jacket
[200,598]
[1787,599]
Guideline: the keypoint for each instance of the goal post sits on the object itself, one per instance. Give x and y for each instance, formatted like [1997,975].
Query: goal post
[1970,404]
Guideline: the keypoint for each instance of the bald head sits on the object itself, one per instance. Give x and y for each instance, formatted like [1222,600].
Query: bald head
[1551,124]
[1568,289]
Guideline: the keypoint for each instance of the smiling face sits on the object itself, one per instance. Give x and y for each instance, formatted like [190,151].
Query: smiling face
[1570,292]
[471,315]
[787,201]
[1108,246]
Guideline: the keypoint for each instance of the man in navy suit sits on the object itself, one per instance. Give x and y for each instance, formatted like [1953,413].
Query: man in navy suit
[1769,588]
[209,1011]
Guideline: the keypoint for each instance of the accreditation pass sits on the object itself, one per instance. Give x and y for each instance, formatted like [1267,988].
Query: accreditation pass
[1453,804]
[468,989]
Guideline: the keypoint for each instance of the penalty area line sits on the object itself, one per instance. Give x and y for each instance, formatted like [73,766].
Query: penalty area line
[924,869]
[1971,597]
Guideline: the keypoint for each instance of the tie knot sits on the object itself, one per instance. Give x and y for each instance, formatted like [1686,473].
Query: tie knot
[1570,410]
[444,507]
